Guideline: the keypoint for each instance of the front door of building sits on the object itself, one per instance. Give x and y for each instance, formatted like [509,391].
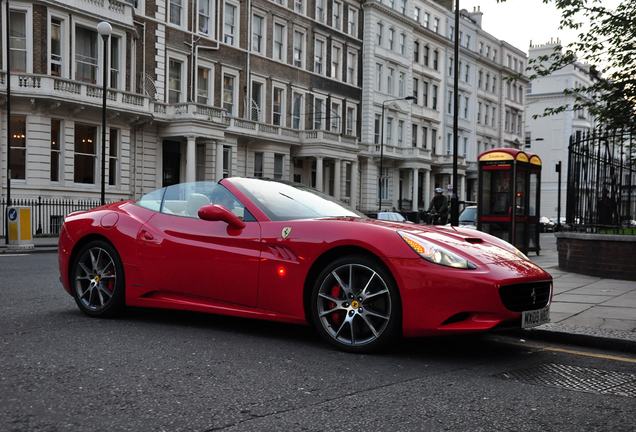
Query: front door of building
[171,163]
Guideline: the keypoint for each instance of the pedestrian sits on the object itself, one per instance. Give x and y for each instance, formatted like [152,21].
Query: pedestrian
[438,210]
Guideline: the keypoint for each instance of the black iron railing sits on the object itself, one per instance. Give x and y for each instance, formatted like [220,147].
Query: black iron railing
[47,215]
[601,188]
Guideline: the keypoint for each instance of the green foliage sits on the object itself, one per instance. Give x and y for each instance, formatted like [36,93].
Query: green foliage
[607,43]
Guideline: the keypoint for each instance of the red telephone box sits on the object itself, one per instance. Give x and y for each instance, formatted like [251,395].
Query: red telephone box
[508,204]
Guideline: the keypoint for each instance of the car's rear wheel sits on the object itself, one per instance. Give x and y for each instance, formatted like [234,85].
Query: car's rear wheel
[97,276]
[355,305]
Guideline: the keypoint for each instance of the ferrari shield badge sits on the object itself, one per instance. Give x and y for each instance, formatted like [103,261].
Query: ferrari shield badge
[286,232]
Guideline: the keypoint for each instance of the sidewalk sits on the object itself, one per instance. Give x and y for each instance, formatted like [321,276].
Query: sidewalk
[585,309]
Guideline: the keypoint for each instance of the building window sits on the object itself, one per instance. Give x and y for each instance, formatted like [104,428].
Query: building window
[279,166]
[427,19]
[257,101]
[436,25]
[320,10]
[352,21]
[416,84]
[18,147]
[56,47]
[402,77]
[402,43]
[85,55]
[85,153]
[435,60]
[114,62]
[426,52]
[229,24]
[336,19]
[279,42]
[416,52]
[467,75]
[376,129]
[204,16]
[424,137]
[113,159]
[299,6]
[299,48]
[401,133]
[466,106]
[403,7]
[176,9]
[257,34]
[228,94]
[55,150]
[203,85]
[277,109]
[385,184]
[434,141]
[199,174]
[336,61]
[416,14]
[352,64]
[319,56]
[378,34]
[348,181]
[335,117]
[258,164]
[318,113]
[486,115]
[389,81]
[389,131]
[351,121]
[414,129]
[424,94]
[378,77]
[227,160]
[434,104]
[493,116]
[391,37]
[174,81]
[296,110]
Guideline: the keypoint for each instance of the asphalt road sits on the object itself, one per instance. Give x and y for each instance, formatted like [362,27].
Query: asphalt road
[153,370]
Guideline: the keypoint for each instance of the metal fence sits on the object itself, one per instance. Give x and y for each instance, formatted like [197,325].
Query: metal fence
[47,215]
[601,189]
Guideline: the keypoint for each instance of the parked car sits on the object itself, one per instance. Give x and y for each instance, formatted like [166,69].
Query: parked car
[546,225]
[282,251]
[390,216]
[468,218]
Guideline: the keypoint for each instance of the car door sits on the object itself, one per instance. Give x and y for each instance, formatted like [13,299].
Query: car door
[208,259]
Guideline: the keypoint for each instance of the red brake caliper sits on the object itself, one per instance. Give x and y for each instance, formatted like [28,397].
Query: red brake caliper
[335,292]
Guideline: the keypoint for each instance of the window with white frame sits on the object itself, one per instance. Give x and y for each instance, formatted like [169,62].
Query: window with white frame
[279,166]
[299,49]
[467,74]
[424,137]
[256,105]
[114,62]
[376,129]
[56,150]
[319,113]
[55,45]
[390,76]
[486,115]
[335,117]
[352,21]
[436,25]
[494,110]
[320,10]
[175,74]
[424,98]
[414,130]
[400,133]
[258,164]
[449,144]
[278,101]
[403,43]
[434,141]
[348,174]
[258,32]
[416,52]
[465,147]
[230,17]
[351,120]
[319,56]
[391,38]
[113,156]
[425,55]
[378,76]
[434,98]
[427,19]
[385,184]
[416,14]
[336,16]
[336,62]
[352,67]
[229,92]
[478,112]
[297,110]
[18,41]
[204,17]
[227,161]
[435,60]
[279,42]
[379,29]
[389,131]
[203,85]
[401,84]
[466,107]
[85,157]
[176,11]
[299,6]
[18,145]
[403,7]
[85,54]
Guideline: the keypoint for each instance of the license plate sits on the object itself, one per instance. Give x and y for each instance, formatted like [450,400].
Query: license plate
[535,317]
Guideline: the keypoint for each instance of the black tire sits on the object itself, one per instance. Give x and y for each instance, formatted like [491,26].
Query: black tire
[97,280]
[355,305]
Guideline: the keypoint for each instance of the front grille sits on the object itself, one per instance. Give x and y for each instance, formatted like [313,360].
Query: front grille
[525,297]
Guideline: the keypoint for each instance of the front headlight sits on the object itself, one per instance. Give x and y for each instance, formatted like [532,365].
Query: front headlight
[434,253]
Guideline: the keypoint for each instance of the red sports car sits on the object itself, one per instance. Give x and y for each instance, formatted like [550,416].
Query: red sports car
[282,251]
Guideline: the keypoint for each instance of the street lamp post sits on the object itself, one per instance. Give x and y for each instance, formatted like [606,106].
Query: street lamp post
[454,197]
[104,29]
[408,98]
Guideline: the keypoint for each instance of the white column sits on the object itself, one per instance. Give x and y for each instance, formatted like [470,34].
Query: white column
[319,185]
[462,190]
[354,185]
[415,181]
[336,178]
[191,165]
[218,169]
[427,188]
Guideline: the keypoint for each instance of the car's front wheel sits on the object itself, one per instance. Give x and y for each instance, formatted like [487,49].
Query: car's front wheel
[355,305]
[97,276]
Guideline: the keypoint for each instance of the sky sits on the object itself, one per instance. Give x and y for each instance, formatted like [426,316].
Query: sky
[520,21]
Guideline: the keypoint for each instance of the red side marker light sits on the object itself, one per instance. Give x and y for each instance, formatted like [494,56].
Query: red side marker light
[281,271]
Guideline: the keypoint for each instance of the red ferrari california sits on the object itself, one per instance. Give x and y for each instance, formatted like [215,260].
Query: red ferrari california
[282,251]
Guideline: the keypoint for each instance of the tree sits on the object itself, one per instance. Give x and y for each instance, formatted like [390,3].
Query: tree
[607,43]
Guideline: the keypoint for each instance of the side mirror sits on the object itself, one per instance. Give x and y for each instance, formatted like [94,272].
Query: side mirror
[216,212]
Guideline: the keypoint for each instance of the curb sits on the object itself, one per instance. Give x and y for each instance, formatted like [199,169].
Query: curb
[607,343]
[5,251]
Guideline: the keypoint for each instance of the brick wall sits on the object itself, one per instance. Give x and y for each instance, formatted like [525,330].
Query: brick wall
[606,256]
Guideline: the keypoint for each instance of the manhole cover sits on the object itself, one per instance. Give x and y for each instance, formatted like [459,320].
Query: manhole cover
[576,378]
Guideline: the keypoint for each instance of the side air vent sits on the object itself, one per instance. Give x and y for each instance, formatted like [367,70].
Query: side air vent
[282,253]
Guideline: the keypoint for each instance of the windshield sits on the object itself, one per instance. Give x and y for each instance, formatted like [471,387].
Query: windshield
[282,201]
